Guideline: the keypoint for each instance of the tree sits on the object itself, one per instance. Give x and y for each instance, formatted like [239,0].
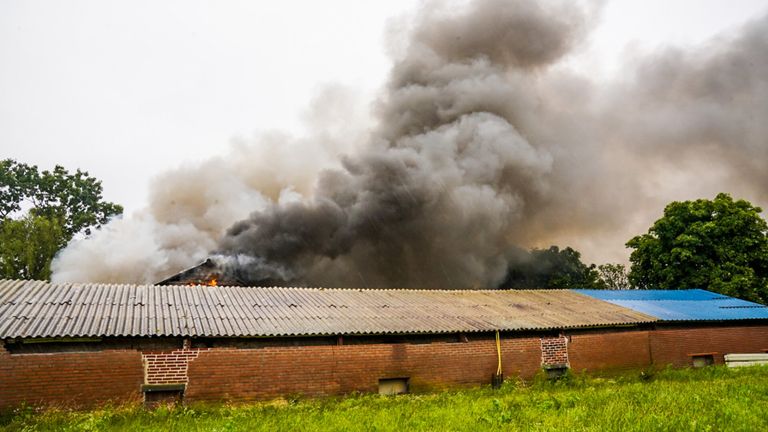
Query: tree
[75,200]
[551,268]
[41,211]
[719,245]
[614,276]
[27,247]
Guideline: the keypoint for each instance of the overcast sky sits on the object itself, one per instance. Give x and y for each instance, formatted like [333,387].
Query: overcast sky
[127,89]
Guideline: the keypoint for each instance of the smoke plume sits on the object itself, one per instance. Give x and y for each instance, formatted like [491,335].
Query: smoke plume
[482,142]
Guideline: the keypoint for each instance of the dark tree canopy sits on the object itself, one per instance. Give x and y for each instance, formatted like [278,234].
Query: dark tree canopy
[40,211]
[551,268]
[720,245]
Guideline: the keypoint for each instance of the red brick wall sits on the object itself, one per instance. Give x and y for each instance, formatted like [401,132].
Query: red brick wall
[609,350]
[167,367]
[554,351]
[87,378]
[675,345]
[69,379]
[243,374]
[614,350]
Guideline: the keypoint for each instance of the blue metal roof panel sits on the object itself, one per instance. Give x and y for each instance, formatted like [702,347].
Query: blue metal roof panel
[684,294]
[682,305]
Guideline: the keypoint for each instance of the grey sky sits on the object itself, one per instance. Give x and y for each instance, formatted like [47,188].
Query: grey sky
[125,89]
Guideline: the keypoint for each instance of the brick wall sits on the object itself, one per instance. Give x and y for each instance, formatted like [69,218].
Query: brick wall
[554,351]
[636,349]
[264,370]
[246,374]
[674,346]
[69,378]
[168,367]
[609,350]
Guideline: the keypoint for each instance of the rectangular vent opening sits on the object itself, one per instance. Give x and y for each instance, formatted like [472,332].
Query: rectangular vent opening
[703,360]
[555,372]
[162,394]
[393,386]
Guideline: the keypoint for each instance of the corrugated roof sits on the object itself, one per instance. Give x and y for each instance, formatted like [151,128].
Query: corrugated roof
[684,294]
[683,305]
[39,309]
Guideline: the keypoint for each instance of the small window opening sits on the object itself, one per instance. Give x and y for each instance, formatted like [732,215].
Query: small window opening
[162,394]
[555,372]
[393,386]
[703,360]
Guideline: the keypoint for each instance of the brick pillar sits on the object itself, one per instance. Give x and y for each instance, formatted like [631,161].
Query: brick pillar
[554,351]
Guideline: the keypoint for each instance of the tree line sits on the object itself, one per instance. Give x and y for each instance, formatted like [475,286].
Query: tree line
[41,211]
[720,245]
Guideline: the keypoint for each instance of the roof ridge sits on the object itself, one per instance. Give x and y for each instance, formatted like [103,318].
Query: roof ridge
[308,288]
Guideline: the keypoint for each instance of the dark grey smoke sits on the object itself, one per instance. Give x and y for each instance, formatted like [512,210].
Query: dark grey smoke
[436,196]
[486,142]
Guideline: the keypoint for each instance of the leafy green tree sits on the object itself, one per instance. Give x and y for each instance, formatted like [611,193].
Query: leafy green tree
[551,268]
[719,245]
[41,211]
[28,245]
[75,200]
[15,182]
[614,276]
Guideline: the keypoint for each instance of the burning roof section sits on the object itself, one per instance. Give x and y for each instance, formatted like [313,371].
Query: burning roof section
[226,271]
[31,309]
[205,273]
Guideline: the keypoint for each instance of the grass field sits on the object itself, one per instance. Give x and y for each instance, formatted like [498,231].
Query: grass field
[710,399]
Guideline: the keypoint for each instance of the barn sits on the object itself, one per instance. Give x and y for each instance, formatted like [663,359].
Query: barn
[85,344]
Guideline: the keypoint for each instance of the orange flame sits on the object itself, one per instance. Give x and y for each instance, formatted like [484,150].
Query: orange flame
[213,282]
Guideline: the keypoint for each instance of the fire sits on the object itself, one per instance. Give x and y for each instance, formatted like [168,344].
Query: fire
[213,282]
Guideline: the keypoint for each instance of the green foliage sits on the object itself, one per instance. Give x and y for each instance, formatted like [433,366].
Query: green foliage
[27,246]
[41,211]
[614,276]
[15,181]
[714,398]
[75,200]
[719,245]
[551,268]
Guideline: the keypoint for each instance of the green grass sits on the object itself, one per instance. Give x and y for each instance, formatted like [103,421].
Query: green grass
[710,399]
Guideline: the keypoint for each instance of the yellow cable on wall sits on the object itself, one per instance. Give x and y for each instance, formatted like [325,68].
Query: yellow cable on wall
[498,351]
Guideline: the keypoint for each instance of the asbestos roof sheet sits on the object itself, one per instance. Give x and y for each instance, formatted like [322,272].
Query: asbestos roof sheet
[39,309]
[683,305]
